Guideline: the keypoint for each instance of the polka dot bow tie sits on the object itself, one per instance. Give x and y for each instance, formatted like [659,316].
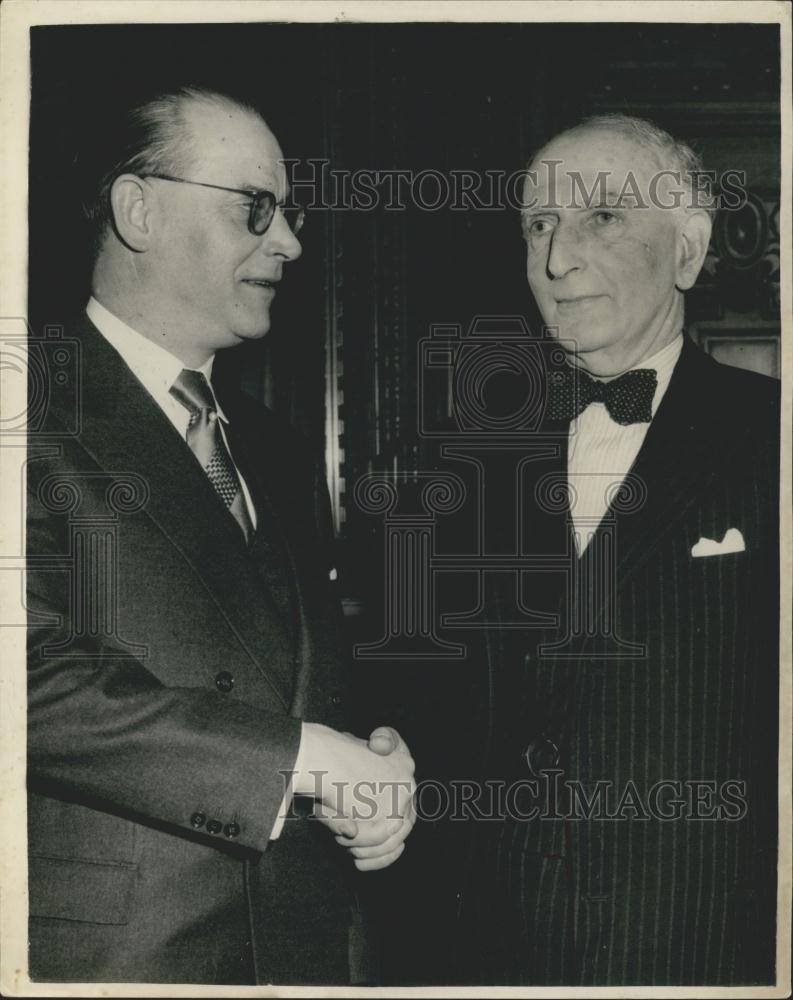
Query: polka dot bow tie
[628,398]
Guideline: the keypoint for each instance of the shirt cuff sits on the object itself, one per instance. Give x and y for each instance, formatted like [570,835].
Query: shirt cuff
[297,771]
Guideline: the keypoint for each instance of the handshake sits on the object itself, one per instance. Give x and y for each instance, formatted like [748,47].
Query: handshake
[363,790]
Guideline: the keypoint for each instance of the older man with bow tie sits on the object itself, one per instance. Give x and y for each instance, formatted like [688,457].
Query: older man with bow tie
[642,725]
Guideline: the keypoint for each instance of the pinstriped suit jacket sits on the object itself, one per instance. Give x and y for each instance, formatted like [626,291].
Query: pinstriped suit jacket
[671,879]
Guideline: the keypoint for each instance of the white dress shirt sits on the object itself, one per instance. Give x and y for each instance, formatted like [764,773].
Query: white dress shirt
[600,452]
[157,370]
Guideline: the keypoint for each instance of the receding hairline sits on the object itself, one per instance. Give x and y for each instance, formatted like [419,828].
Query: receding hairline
[668,150]
[596,126]
[155,135]
[192,97]
[190,100]
[670,154]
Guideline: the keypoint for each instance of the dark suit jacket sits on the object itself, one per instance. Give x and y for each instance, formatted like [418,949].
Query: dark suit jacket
[639,898]
[169,668]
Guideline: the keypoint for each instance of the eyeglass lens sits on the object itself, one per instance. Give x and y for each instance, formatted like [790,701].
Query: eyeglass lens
[263,210]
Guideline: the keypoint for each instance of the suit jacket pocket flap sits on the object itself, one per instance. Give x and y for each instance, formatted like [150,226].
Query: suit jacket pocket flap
[90,892]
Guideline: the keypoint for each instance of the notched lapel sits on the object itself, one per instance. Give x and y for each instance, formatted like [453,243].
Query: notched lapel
[125,431]
[270,547]
[265,466]
[674,464]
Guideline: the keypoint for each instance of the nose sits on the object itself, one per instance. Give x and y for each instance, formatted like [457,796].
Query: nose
[564,253]
[279,239]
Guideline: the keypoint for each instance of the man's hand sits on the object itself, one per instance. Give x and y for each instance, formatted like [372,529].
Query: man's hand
[369,852]
[364,790]
[384,740]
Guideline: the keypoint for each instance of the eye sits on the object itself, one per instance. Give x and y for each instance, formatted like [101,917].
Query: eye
[604,217]
[240,213]
[539,227]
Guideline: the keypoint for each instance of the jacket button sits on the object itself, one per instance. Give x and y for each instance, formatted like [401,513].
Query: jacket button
[213,826]
[231,830]
[335,699]
[224,681]
[197,820]
[542,754]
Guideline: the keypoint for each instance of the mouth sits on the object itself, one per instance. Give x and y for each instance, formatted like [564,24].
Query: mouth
[260,283]
[576,300]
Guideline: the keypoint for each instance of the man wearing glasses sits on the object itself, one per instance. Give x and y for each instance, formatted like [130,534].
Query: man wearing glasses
[181,674]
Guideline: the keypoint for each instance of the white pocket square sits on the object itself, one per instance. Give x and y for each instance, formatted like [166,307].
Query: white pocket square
[732,542]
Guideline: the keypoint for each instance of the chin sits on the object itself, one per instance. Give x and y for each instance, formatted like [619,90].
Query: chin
[579,340]
[255,330]
[586,336]
[257,334]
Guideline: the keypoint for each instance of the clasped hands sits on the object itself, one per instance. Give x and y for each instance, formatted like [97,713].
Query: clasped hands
[363,791]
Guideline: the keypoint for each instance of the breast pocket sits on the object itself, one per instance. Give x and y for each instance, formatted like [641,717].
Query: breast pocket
[724,580]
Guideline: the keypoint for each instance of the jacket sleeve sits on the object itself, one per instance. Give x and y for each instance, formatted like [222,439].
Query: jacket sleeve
[103,729]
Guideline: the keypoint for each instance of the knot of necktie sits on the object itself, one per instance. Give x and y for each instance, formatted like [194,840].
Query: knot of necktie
[192,390]
[628,398]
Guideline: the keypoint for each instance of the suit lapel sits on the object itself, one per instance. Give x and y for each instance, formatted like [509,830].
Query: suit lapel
[673,464]
[125,431]
[270,547]
[266,467]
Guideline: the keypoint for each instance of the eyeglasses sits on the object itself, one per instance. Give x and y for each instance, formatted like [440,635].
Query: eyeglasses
[263,205]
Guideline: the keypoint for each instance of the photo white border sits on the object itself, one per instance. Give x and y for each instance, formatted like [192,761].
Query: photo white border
[16,17]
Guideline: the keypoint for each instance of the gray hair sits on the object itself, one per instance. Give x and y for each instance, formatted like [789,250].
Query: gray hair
[673,154]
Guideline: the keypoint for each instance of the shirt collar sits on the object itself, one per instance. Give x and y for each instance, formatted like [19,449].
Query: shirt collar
[663,363]
[154,366]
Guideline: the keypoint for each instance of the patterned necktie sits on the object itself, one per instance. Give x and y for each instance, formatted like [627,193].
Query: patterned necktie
[206,442]
[628,398]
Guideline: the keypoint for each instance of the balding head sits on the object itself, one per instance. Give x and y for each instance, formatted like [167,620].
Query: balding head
[614,235]
[179,258]
[673,157]
[153,136]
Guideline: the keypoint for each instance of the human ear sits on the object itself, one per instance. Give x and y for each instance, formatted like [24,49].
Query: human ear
[692,246]
[130,201]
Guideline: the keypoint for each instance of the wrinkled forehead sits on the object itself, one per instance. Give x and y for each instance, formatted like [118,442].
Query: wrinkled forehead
[234,147]
[587,164]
